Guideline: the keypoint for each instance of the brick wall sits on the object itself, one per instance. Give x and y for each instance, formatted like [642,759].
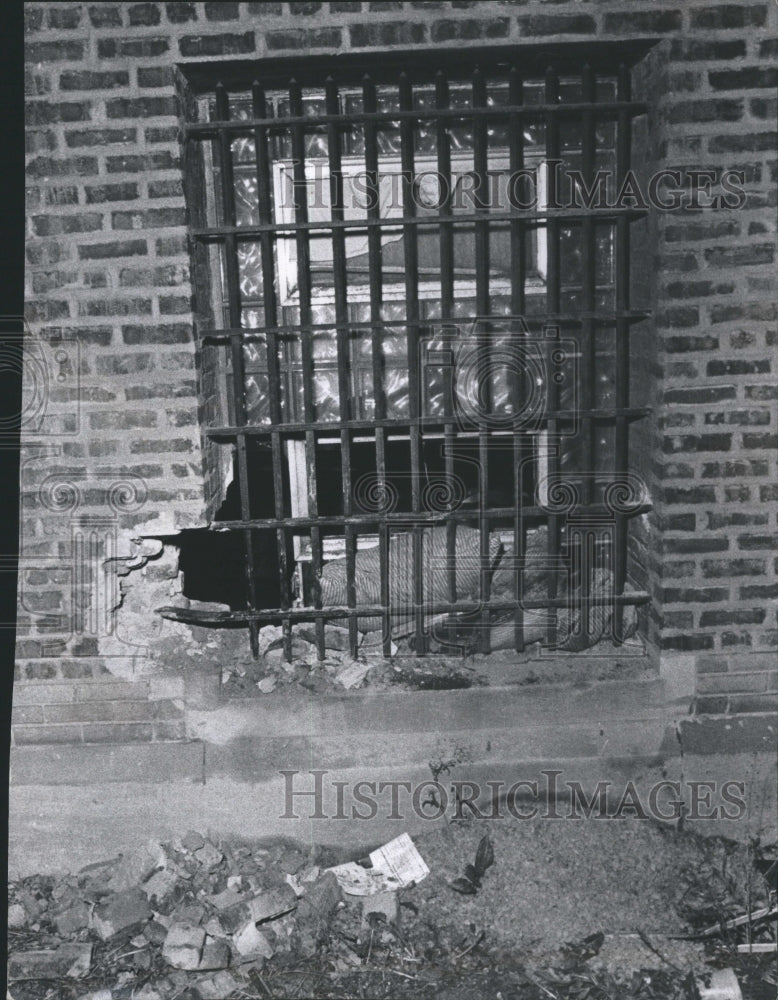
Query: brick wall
[113,451]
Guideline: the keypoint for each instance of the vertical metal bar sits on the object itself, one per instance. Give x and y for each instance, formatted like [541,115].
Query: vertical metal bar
[588,329]
[341,320]
[411,259]
[521,443]
[369,104]
[553,301]
[306,336]
[236,350]
[270,304]
[623,145]
[482,199]
[446,238]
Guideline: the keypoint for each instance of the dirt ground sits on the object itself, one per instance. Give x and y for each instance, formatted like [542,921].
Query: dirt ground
[582,909]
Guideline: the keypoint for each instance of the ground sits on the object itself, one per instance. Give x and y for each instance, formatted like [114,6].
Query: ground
[586,909]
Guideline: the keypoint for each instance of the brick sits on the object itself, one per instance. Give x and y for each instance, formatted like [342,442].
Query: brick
[304,9]
[751,542]
[115,307]
[221,12]
[684,546]
[93,80]
[728,16]
[753,616]
[734,519]
[678,522]
[64,17]
[737,367]
[768,47]
[711,705]
[155,76]
[171,246]
[40,141]
[46,167]
[737,494]
[760,441]
[27,715]
[751,142]
[469,30]
[698,289]
[744,78]
[150,218]
[124,364]
[696,443]
[33,20]
[733,567]
[361,35]
[162,446]
[737,469]
[173,333]
[763,107]
[556,24]
[47,113]
[691,495]
[686,643]
[36,84]
[218,45]
[738,256]
[768,493]
[706,111]
[122,419]
[105,16]
[118,732]
[678,620]
[705,394]
[758,311]
[759,592]
[172,188]
[628,22]
[174,305]
[761,392]
[701,50]
[753,703]
[146,14]
[99,137]
[120,911]
[123,48]
[141,107]
[98,194]
[142,163]
[61,51]
[164,391]
[164,274]
[180,13]
[118,248]
[57,225]
[26,735]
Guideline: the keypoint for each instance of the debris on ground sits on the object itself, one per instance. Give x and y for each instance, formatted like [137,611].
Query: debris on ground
[574,911]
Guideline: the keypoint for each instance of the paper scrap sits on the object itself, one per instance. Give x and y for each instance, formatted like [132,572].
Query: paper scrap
[396,865]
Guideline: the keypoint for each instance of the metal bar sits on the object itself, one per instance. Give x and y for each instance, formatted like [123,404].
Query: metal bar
[377,325]
[390,423]
[553,300]
[399,222]
[265,206]
[236,353]
[587,342]
[422,517]
[536,112]
[226,618]
[481,171]
[623,146]
[411,260]
[306,341]
[342,332]
[521,441]
[443,148]
[223,334]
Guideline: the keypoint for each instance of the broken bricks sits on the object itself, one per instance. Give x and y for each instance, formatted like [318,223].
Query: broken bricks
[183,947]
[71,960]
[265,906]
[120,911]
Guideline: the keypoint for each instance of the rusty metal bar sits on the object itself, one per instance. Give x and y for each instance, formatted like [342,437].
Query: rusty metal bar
[553,300]
[270,304]
[521,442]
[443,149]
[236,353]
[483,375]
[377,325]
[623,144]
[342,332]
[411,259]
[306,343]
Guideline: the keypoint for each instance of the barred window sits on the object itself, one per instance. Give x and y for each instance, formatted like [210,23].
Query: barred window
[413,290]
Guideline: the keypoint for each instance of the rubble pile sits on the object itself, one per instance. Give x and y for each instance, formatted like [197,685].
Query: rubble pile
[210,918]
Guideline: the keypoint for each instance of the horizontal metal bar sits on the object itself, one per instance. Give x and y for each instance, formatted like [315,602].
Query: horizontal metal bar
[408,519]
[334,427]
[609,109]
[195,617]
[528,216]
[250,333]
